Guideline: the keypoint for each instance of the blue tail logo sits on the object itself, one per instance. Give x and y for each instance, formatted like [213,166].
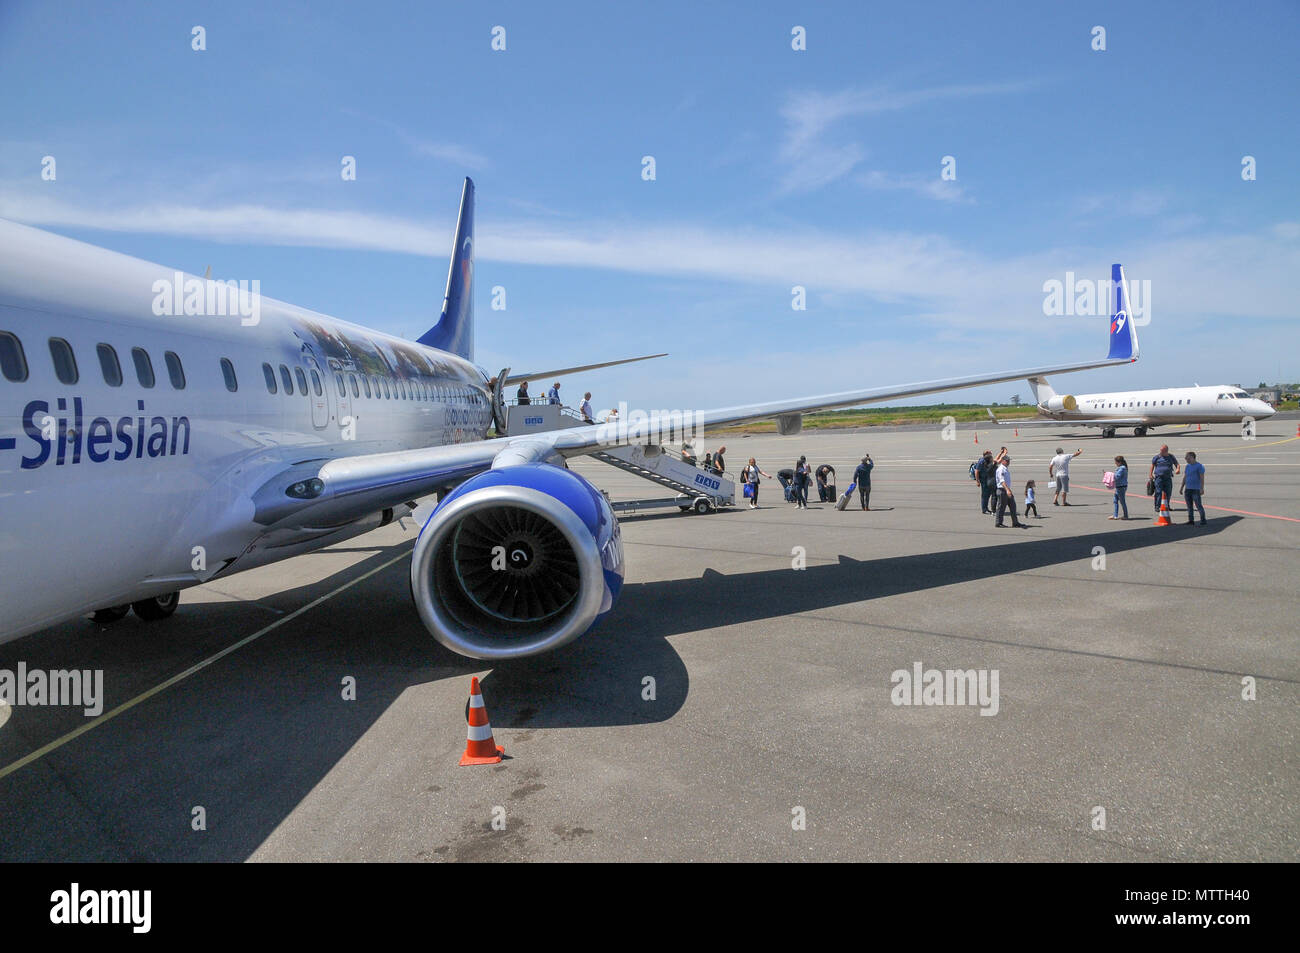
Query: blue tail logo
[1123,338]
[454,331]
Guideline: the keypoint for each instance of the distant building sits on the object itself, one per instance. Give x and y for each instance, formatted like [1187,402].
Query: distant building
[1270,395]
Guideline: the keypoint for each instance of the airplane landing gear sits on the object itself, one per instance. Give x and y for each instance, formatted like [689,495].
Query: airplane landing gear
[1139,431]
[159,607]
[111,614]
[1108,431]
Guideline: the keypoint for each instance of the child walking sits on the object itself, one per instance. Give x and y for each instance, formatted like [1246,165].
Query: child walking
[1029,498]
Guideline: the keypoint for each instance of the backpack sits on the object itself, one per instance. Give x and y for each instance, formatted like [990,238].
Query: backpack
[976,469]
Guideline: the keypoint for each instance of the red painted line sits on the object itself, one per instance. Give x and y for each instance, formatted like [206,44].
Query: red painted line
[1224,509]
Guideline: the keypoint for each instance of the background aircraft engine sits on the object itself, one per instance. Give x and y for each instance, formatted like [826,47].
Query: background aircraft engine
[1062,402]
[517,561]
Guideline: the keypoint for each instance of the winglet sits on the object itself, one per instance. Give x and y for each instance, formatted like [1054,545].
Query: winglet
[454,331]
[1123,334]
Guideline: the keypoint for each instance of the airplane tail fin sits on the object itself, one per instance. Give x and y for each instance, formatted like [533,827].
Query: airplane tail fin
[454,331]
[1123,335]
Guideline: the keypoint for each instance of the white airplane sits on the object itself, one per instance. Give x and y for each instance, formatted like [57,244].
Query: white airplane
[159,430]
[1140,409]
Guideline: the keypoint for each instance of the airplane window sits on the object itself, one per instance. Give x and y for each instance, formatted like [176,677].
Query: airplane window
[108,363]
[143,366]
[338,381]
[315,382]
[301,378]
[287,378]
[1242,394]
[269,374]
[356,389]
[401,389]
[65,362]
[388,392]
[13,364]
[365,382]
[228,372]
[175,372]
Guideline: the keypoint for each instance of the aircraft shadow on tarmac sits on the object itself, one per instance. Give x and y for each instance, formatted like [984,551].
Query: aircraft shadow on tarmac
[250,737]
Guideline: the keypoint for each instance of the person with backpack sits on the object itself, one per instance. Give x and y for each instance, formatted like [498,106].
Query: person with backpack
[752,473]
[984,472]
[862,476]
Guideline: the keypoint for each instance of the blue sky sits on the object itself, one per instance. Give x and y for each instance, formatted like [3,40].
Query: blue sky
[775,168]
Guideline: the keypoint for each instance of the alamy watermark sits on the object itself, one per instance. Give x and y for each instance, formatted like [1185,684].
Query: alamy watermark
[931,686]
[205,297]
[77,688]
[1084,296]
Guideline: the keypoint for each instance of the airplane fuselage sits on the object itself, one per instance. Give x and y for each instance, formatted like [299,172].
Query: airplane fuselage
[1220,403]
[146,446]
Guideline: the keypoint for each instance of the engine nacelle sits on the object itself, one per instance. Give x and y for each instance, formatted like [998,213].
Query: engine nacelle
[1061,402]
[517,561]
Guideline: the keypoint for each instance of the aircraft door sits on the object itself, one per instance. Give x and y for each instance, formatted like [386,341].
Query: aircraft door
[319,396]
[343,401]
[499,402]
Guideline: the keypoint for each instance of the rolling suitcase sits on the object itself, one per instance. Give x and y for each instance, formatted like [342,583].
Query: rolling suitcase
[830,495]
[844,500]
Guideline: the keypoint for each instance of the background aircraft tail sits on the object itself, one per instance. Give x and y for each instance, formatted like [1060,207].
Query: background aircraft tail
[1123,336]
[454,331]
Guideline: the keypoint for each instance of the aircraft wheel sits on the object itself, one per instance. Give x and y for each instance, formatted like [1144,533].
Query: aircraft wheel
[111,614]
[1139,431]
[159,607]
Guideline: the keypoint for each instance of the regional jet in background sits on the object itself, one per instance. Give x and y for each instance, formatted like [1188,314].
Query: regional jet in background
[143,453]
[1143,409]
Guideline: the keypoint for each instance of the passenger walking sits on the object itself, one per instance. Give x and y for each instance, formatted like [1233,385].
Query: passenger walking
[521,395]
[719,465]
[586,407]
[554,396]
[1006,495]
[1030,499]
[1193,487]
[1059,470]
[802,476]
[985,473]
[752,473]
[863,477]
[1163,467]
[1121,487]
[708,463]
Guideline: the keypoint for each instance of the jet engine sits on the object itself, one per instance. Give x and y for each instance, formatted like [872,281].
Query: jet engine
[516,562]
[1060,402]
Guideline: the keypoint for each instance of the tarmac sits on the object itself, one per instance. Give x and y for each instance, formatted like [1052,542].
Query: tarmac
[740,701]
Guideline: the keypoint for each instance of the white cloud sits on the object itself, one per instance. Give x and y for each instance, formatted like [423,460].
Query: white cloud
[1249,274]
[811,161]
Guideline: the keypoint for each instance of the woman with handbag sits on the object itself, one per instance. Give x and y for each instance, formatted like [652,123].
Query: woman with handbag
[1121,487]
[752,473]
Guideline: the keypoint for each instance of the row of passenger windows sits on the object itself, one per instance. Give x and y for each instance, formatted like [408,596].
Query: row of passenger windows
[369,386]
[1162,403]
[13,365]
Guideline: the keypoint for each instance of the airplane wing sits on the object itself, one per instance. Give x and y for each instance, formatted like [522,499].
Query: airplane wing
[334,492]
[321,494]
[561,371]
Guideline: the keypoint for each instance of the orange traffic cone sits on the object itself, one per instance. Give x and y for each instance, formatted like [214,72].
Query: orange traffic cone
[480,748]
[1163,518]
[1017,431]
[977,438]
